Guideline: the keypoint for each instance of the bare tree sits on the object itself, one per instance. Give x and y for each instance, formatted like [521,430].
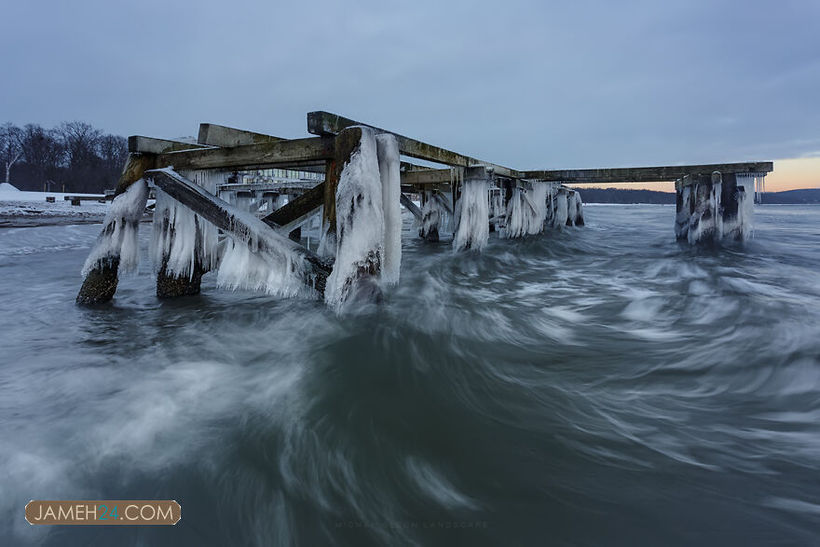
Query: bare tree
[43,154]
[81,142]
[10,149]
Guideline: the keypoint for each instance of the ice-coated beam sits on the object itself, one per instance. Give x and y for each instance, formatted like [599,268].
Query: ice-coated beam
[230,219]
[645,174]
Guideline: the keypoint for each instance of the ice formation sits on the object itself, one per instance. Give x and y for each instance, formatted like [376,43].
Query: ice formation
[683,213]
[743,227]
[575,214]
[715,210]
[120,234]
[473,216]
[389,171]
[432,217]
[359,222]
[537,199]
[182,240]
[560,208]
[706,222]
[271,267]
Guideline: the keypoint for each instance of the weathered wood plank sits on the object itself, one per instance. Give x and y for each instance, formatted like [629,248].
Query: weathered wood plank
[325,123]
[347,142]
[293,153]
[645,174]
[228,137]
[430,176]
[150,145]
[301,207]
[230,219]
[412,207]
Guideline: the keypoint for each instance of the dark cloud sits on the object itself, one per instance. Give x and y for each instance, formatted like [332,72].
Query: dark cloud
[527,84]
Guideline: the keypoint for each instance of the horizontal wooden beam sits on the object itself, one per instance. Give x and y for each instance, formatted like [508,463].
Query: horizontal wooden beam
[232,220]
[310,151]
[325,123]
[149,145]
[228,137]
[429,176]
[645,174]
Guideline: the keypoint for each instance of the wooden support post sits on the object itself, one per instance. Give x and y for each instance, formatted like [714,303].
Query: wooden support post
[346,144]
[101,282]
[431,217]
[172,285]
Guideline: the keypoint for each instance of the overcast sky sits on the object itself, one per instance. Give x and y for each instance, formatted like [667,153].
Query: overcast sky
[524,84]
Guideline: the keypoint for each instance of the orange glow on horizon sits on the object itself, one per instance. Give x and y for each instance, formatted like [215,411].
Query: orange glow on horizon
[788,174]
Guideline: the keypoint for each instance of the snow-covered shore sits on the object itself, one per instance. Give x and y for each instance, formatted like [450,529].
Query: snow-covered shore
[18,208]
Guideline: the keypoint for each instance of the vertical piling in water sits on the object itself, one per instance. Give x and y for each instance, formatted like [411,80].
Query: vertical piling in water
[711,208]
[431,217]
[100,282]
[473,228]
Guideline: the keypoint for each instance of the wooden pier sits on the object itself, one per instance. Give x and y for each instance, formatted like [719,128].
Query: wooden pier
[326,154]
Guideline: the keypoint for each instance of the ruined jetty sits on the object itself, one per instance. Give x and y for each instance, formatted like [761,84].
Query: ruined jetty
[351,180]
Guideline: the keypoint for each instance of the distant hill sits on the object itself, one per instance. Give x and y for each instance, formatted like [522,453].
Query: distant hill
[618,195]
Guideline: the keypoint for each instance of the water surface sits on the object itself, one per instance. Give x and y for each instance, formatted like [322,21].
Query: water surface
[600,385]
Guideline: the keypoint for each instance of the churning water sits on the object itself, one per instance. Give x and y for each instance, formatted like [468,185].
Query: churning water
[603,385]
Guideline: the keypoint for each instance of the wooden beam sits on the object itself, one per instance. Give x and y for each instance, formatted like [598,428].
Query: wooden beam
[645,174]
[310,151]
[228,218]
[299,208]
[150,145]
[325,123]
[228,137]
[429,176]
[347,142]
[412,207]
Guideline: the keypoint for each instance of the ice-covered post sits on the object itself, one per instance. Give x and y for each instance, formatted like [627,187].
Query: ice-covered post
[713,207]
[358,219]
[102,266]
[560,215]
[473,229]
[431,217]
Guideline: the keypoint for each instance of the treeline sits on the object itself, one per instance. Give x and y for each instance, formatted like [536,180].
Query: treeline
[617,195]
[73,156]
[625,196]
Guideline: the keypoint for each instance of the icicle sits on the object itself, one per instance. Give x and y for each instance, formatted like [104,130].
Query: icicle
[473,215]
[576,213]
[683,213]
[432,217]
[390,174]
[181,237]
[561,208]
[515,215]
[715,203]
[359,221]
[537,199]
[745,206]
[120,234]
[276,273]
